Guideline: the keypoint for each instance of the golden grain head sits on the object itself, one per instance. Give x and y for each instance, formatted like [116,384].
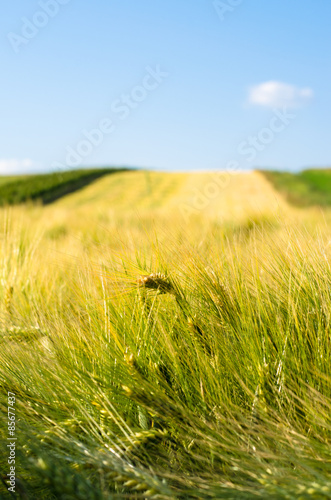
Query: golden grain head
[156,281]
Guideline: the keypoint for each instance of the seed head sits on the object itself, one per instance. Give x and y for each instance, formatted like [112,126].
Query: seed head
[8,298]
[156,281]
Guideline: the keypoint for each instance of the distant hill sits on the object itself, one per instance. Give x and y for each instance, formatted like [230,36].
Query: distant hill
[127,189]
[307,188]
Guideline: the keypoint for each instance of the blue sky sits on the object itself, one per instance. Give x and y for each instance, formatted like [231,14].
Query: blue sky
[175,85]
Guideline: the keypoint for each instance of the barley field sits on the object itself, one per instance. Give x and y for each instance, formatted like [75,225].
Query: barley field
[167,337]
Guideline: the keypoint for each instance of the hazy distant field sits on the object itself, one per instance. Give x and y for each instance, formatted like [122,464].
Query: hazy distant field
[167,336]
[304,189]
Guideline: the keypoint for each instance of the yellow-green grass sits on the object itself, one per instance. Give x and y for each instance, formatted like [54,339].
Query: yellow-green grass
[217,385]
[236,193]
[128,190]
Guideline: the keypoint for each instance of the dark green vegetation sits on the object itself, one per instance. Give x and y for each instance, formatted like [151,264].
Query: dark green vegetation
[307,188]
[47,188]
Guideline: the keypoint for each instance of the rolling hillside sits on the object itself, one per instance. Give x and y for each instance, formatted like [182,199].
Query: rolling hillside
[192,193]
[46,188]
[189,194]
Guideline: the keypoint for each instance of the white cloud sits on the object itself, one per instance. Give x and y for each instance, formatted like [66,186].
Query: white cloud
[275,94]
[14,166]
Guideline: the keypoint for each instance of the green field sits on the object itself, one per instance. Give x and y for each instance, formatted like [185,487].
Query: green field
[159,355]
[5,179]
[307,188]
[46,188]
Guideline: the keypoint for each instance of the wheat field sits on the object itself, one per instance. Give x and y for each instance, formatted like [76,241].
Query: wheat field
[167,336]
